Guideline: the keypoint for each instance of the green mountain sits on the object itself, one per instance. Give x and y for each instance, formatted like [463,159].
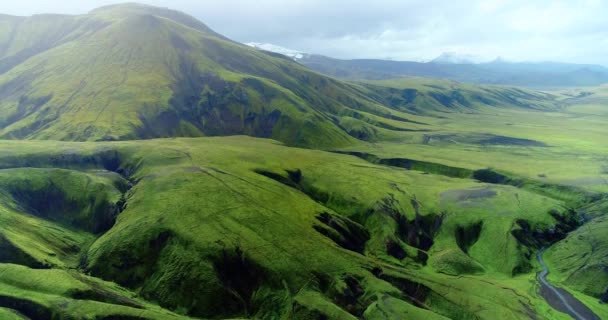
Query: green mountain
[132,71]
[414,198]
[139,72]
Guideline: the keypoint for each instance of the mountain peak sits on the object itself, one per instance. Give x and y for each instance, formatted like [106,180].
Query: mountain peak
[458,58]
[453,58]
[127,7]
[118,11]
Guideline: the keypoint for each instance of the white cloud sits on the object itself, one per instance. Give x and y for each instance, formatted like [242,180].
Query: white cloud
[574,30]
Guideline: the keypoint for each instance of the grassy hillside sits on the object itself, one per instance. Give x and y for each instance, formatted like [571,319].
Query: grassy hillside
[295,234]
[144,72]
[133,71]
[559,154]
[563,145]
[48,216]
[413,225]
[424,96]
[413,198]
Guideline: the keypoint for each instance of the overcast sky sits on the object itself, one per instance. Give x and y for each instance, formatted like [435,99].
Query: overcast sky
[571,31]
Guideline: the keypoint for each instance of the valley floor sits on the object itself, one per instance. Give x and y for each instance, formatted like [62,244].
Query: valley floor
[438,224]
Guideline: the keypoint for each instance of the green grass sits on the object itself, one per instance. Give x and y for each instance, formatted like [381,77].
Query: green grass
[143,72]
[571,167]
[227,227]
[61,294]
[580,259]
[201,204]
[200,208]
[572,156]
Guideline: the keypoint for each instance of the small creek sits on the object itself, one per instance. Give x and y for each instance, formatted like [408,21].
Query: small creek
[561,299]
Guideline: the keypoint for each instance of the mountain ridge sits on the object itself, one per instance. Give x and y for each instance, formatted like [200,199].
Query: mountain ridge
[446,66]
[130,24]
[144,72]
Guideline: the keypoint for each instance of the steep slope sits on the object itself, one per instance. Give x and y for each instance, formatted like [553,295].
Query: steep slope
[132,71]
[48,218]
[137,72]
[147,72]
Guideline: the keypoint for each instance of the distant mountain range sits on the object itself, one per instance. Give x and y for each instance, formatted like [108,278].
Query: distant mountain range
[457,67]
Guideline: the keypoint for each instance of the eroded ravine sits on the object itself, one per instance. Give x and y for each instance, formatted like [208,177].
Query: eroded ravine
[559,298]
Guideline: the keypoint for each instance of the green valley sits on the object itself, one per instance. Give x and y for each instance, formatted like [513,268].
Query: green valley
[151,168]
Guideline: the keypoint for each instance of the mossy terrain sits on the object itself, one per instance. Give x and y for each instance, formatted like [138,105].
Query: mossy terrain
[140,72]
[410,198]
[558,154]
[208,228]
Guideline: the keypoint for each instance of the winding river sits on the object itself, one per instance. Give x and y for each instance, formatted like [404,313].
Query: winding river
[561,299]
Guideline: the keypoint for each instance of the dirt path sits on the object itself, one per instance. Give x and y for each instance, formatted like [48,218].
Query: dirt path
[561,299]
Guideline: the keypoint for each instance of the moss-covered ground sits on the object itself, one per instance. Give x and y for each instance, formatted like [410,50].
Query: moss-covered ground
[246,227]
[406,198]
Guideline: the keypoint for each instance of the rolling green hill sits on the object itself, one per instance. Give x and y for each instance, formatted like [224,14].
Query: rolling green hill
[290,235]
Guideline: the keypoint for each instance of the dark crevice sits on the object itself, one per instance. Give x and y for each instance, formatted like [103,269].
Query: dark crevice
[467,236]
[241,277]
[110,160]
[280,178]
[93,213]
[343,231]
[537,238]
[416,293]
[129,270]
[394,249]
[9,253]
[28,308]
[97,293]
[418,232]
[295,179]
[490,176]
[531,238]
[410,164]
[349,298]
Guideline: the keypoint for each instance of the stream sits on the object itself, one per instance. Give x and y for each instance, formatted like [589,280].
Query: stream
[561,299]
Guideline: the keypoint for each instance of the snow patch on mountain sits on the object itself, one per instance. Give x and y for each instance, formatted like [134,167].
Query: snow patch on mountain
[294,54]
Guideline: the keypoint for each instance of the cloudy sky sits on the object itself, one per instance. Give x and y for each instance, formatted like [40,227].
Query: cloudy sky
[518,30]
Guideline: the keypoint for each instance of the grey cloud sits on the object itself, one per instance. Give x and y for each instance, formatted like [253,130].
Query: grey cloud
[573,31]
